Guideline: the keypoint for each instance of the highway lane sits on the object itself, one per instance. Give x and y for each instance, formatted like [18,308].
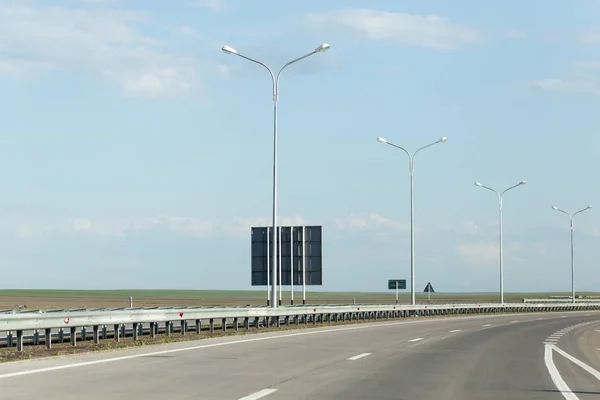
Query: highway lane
[492,357]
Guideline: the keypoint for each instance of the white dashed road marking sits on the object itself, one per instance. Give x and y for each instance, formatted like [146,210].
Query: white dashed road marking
[354,358]
[416,339]
[259,395]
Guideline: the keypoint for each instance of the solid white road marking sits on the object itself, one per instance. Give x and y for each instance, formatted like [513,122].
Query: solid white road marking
[358,356]
[583,365]
[416,339]
[555,375]
[455,330]
[512,322]
[259,395]
[487,325]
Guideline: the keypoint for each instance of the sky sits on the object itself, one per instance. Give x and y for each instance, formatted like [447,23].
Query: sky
[134,153]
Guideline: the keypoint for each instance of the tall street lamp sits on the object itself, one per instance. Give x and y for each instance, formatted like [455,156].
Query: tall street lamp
[411,158]
[229,50]
[572,251]
[500,214]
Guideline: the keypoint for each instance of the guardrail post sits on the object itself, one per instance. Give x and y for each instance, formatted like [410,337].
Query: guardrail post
[183,327]
[256,322]
[211,324]
[73,336]
[198,326]
[236,327]
[224,324]
[36,337]
[96,335]
[247,323]
[61,335]
[104,333]
[135,331]
[123,331]
[117,333]
[168,328]
[83,333]
[9,339]
[19,340]
[153,329]
[48,338]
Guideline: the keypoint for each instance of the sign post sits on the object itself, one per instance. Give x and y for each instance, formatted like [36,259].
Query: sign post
[396,284]
[302,266]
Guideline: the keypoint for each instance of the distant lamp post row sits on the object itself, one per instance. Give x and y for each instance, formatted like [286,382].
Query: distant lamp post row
[411,158]
[572,251]
[275,78]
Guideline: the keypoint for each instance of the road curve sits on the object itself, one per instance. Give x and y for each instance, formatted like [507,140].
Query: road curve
[477,357]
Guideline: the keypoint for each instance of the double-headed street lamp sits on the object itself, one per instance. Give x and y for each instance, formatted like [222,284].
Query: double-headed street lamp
[500,213]
[412,225]
[229,50]
[572,251]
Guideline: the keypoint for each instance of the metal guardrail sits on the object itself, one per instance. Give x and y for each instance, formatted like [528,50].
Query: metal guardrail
[113,322]
[563,300]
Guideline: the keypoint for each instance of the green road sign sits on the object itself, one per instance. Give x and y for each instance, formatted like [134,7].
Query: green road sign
[397,284]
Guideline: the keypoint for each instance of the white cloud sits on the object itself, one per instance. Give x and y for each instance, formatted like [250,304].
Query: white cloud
[479,252]
[100,1]
[583,78]
[213,5]
[589,36]
[372,221]
[514,34]
[575,85]
[587,65]
[189,31]
[106,43]
[484,253]
[430,31]
[462,227]
[189,226]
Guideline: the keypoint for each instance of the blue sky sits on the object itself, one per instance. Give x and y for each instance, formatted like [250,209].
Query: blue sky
[135,154]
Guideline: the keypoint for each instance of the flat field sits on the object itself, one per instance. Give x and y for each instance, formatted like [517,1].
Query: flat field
[44,299]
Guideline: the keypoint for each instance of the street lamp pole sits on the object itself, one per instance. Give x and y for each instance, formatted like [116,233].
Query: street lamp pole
[500,217]
[411,158]
[229,50]
[571,217]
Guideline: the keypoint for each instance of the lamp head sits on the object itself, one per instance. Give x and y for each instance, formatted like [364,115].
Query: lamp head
[322,48]
[381,140]
[589,206]
[443,139]
[478,184]
[228,50]
[554,208]
[522,182]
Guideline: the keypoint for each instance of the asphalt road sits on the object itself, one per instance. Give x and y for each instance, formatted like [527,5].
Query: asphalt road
[490,357]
